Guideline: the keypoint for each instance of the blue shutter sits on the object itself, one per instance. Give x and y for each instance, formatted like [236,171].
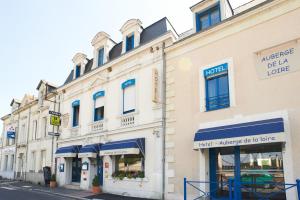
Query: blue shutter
[129,42]
[101,57]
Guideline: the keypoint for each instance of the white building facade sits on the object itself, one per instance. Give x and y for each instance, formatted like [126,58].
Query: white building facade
[112,115]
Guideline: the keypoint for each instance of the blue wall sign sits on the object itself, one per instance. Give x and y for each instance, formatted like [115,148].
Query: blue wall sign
[11,133]
[216,70]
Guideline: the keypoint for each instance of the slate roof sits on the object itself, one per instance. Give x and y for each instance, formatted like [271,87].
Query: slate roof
[148,34]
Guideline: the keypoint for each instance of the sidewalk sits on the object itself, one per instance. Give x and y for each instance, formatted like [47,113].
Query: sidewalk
[71,193]
[60,191]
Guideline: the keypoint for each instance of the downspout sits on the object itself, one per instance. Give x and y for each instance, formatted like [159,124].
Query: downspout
[27,143]
[16,142]
[163,120]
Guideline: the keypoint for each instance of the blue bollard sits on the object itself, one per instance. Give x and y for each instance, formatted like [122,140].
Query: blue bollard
[298,188]
[184,189]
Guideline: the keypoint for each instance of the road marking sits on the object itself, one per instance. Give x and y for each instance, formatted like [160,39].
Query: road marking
[26,186]
[7,188]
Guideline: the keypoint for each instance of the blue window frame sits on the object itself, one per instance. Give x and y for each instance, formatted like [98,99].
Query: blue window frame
[128,89]
[76,108]
[129,42]
[98,106]
[77,71]
[101,57]
[207,18]
[217,87]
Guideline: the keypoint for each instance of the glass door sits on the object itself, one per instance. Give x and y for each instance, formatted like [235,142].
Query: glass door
[76,169]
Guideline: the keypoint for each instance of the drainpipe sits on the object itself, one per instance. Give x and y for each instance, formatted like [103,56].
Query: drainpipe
[163,120]
[16,142]
[27,143]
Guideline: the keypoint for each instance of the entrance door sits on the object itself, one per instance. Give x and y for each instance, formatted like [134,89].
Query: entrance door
[100,169]
[76,169]
[255,169]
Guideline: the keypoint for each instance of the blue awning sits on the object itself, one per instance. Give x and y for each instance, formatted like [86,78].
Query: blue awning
[264,131]
[131,146]
[69,151]
[90,150]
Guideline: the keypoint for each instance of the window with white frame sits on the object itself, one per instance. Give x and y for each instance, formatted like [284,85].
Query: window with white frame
[75,108]
[98,98]
[12,161]
[45,126]
[33,160]
[5,163]
[34,129]
[43,159]
[217,86]
[100,56]
[128,89]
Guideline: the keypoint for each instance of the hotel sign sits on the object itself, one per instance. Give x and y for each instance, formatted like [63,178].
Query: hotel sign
[239,141]
[279,60]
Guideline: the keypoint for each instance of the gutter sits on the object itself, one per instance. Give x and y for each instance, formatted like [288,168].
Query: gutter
[163,121]
[16,144]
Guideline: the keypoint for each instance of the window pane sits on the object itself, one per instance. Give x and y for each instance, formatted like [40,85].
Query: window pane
[129,99]
[78,69]
[215,17]
[99,113]
[129,43]
[204,22]
[75,115]
[100,56]
[129,163]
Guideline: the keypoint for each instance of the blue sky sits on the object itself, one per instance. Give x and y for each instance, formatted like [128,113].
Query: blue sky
[38,38]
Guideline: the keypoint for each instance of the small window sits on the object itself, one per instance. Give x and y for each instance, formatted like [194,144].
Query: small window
[5,163]
[34,129]
[128,96]
[129,42]
[208,18]
[78,71]
[76,108]
[217,87]
[45,124]
[98,105]
[101,57]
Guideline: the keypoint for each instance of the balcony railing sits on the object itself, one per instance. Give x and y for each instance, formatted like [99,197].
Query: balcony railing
[217,102]
[97,126]
[128,120]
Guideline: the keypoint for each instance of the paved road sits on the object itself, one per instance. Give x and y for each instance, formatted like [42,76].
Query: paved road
[9,192]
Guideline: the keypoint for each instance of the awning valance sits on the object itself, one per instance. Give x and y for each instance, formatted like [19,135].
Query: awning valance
[131,146]
[69,151]
[89,151]
[256,132]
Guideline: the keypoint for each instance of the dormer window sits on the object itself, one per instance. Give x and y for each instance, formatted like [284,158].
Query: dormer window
[101,57]
[129,42]
[208,17]
[77,71]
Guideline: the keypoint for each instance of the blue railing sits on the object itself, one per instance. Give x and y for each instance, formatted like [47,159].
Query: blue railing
[252,191]
[217,102]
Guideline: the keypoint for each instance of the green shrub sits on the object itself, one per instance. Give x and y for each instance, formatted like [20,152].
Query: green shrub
[96,181]
[53,177]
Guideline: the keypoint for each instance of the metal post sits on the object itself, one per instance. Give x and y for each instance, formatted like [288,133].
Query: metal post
[184,188]
[230,180]
[298,188]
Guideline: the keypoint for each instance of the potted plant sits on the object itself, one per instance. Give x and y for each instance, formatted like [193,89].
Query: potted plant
[53,181]
[96,185]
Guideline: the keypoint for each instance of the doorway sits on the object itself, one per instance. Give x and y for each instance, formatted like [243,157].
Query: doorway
[76,169]
[254,168]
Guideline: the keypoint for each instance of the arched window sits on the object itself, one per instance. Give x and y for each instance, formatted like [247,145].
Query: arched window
[128,88]
[98,98]
[76,108]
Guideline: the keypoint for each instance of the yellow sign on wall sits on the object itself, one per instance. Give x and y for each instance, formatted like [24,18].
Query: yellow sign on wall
[55,120]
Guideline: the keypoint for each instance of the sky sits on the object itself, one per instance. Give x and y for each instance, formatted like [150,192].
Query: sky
[38,38]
